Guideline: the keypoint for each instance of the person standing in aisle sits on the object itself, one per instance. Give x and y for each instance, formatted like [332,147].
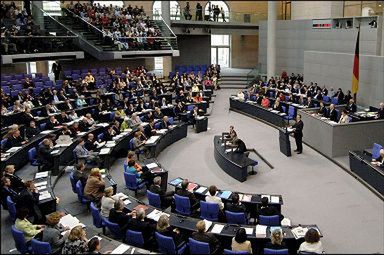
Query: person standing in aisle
[298,134]
[56,69]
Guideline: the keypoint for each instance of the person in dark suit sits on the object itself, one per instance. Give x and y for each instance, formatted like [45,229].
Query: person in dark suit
[51,123]
[202,236]
[79,173]
[193,114]
[277,105]
[340,96]
[67,105]
[185,193]
[44,155]
[27,116]
[15,140]
[116,215]
[17,184]
[267,210]
[165,197]
[351,106]
[6,190]
[322,110]
[32,130]
[235,205]
[138,223]
[164,124]
[29,198]
[276,240]
[164,228]
[310,103]
[240,147]
[63,118]
[298,134]
[90,143]
[158,114]
[109,134]
[332,113]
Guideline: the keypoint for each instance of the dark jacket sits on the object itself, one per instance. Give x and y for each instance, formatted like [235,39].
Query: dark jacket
[5,192]
[214,244]
[299,129]
[30,132]
[186,193]
[141,226]
[164,125]
[120,218]
[44,154]
[17,183]
[333,115]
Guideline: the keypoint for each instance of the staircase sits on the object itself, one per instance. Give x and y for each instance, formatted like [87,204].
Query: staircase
[233,78]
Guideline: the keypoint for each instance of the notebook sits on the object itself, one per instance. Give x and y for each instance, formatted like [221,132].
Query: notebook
[225,194]
[201,189]
[176,181]
[191,186]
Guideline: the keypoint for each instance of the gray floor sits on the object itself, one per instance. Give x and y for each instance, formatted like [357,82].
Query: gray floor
[314,189]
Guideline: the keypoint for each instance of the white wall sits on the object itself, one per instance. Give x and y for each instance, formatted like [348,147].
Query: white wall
[316,9]
[335,70]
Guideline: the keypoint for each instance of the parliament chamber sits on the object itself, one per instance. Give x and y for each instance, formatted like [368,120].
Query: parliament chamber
[192,127]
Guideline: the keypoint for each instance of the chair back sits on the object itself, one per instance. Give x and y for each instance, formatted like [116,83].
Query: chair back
[3,142]
[171,120]
[134,238]
[165,243]
[114,229]
[376,150]
[154,199]
[20,243]
[125,166]
[236,218]
[197,247]
[157,125]
[11,208]
[39,247]
[291,111]
[234,252]
[273,220]
[335,100]
[190,107]
[272,251]
[42,126]
[131,145]
[326,99]
[209,211]
[32,155]
[183,205]
[284,109]
[73,182]
[80,193]
[100,136]
[130,181]
[96,217]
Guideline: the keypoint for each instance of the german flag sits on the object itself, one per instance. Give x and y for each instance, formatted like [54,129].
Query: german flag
[355,76]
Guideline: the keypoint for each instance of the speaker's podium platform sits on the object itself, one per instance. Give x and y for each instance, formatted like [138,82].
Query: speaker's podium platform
[285,144]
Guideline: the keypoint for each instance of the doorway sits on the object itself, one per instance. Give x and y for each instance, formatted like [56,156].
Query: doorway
[220,50]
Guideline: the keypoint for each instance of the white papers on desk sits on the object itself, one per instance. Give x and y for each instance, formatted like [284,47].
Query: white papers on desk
[332,122]
[261,231]
[155,215]
[299,232]
[104,151]
[102,125]
[55,151]
[41,175]
[267,196]
[120,195]
[282,114]
[70,221]
[200,117]
[120,249]
[143,124]
[81,133]
[110,144]
[46,132]
[126,202]
[201,189]
[44,195]
[286,222]
[99,145]
[295,104]
[208,224]
[274,111]
[249,231]
[13,149]
[98,237]
[41,183]
[323,118]
[217,228]
[152,165]
[228,150]
[152,139]
[161,131]
[41,188]
[275,199]
[290,129]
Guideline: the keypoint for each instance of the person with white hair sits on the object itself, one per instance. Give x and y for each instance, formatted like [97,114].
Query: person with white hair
[139,224]
[380,160]
[380,112]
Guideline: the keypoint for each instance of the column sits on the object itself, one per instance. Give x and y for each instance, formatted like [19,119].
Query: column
[165,12]
[37,14]
[271,39]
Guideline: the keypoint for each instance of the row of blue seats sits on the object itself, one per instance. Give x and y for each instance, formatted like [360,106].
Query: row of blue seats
[327,99]
[9,77]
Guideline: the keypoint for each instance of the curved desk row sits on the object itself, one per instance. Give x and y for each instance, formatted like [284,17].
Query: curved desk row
[234,164]
[187,225]
[251,201]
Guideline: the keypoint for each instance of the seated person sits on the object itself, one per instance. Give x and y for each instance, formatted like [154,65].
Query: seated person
[94,188]
[51,123]
[265,102]
[235,206]
[322,110]
[52,232]
[158,114]
[193,114]
[140,174]
[116,215]
[267,210]
[44,154]
[351,106]
[94,246]
[212,198]
[138,145]
[166,198]
[240,242]
[380,160]
[380,112]
[23,224]
[109,134]
[164,228]
[29,198]
[6,190]
[332,113]
[310,103]
[32,130]
[139,224]
[80,101]
[15,140]
[312,242]
[76,242]
[277,105]
[344,119]
[17,184]
[164,124]
[51,108]
[65,130]
[125,124]
[240,95]
[184,192]
[202,236]
[73,115]
[276,240]
[119,113]
[63,118]
[116,127]
[82,153]
[240,147]
[232,136]
[91,143]
[79,173]
[135,120]
[107,202]
[89,120]
[150,129]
